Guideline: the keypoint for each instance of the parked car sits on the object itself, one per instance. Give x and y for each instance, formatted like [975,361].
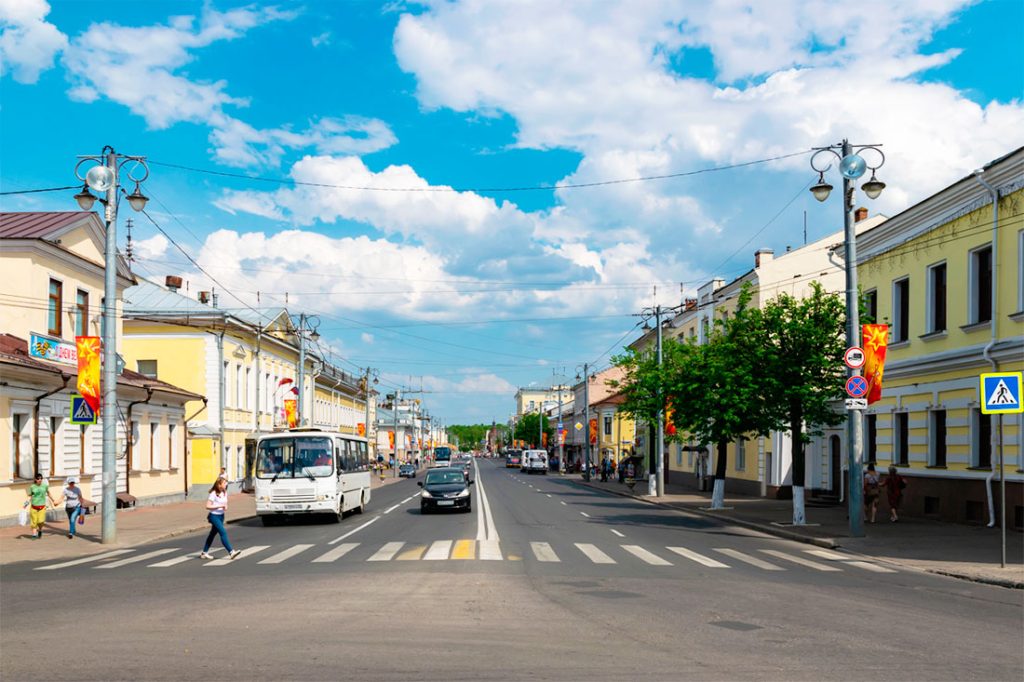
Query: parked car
[445,488]
[512,459]
[535,460]
[407,471]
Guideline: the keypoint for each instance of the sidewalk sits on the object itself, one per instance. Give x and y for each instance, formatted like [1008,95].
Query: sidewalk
[138,526]
[961,551]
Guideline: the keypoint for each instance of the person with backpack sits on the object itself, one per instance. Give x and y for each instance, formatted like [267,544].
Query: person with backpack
[894,485]
[871,491]
[71,496]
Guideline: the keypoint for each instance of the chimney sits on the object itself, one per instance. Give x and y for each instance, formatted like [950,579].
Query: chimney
[691,304]
[173,282]
[763,257]
[860,214]
[204,296]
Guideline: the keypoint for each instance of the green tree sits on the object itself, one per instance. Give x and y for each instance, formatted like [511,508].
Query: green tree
[804,371]
[472,436]
[527,429]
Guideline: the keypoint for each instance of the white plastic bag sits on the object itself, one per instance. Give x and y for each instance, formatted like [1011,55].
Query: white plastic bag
[23,517]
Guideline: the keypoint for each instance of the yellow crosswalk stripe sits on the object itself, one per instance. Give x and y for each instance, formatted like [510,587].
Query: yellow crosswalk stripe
[464,549]
[412,554]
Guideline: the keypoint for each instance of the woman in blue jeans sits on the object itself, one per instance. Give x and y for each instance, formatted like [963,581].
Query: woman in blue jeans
[217,505]
[71,496]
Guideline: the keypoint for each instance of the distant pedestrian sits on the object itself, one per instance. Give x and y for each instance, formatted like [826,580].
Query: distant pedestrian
[871,491]
[894,485]
[217,505]
[223,473]
[71,496]
[38,493]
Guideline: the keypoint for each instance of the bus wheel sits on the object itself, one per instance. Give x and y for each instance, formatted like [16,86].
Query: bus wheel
[362,503]
[269,520]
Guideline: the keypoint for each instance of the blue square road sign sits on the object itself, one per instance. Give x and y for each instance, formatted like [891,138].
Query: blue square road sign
[1001,393]
[81,413]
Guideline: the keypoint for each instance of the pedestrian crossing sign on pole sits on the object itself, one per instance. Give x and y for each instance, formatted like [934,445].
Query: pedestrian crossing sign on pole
[81,413]
[1001,393]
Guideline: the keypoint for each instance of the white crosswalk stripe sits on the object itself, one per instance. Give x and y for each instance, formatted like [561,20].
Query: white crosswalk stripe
[246,553]
[648,557]
[543,552]
[594,554]
[139,557]
[752,560]
[336,553]
[490,550]
[387,552]
[286,554]
[86,560]
[800,560]
[699,558]
[848,560]
[191,556]
[438,551]
[874,568]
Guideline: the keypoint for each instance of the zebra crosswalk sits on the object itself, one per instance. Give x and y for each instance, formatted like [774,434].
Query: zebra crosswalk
[666,557]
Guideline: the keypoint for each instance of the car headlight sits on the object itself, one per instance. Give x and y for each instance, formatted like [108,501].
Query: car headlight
[464,493]
[426,494]
[263,498]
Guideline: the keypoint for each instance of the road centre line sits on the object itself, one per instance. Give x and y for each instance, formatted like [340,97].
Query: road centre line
[353,531]
[86,560]
[585,514]
[563,503]
[617,532]
[392,508]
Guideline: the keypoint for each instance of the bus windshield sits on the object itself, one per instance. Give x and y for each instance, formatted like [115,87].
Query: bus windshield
[306,457]
[442,454]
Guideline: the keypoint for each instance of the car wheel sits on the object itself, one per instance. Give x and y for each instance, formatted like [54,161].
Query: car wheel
[423,510]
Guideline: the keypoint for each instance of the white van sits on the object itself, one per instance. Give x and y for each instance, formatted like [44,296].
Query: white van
[535,460]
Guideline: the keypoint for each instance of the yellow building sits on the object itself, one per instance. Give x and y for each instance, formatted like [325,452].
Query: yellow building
[53,265]
[946,275]
[245,361]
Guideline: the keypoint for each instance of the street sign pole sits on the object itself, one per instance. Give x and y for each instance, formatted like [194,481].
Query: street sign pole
[1002,495]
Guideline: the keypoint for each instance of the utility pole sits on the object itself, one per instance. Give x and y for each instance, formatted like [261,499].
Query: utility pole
[656,487]
[302,370]
[398,398]
[586,418]
[558,435]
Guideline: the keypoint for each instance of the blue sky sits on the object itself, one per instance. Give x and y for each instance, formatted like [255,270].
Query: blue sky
[473,291]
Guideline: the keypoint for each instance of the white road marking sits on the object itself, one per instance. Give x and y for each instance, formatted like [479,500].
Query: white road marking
[563,502]
[870,567]
[140,557]
[827,554]
[335,554]
[286,554]
[490,550]
[617,532]
[752,560]
[86,560]
[488,516]
[543,551]
[246,552]
[594,554]
[438,551]
[392,508]
[387,552]
[699,558]
[548,494]
[800,560]
[180,559]
[642,554]
[353,531]
[410,498]
[585,514]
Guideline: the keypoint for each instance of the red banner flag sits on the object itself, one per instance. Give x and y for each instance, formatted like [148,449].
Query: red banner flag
[593,431]
[284,381]
[89,369]
[291,412]
[876,341]
[670,427]
[391,440]
[544,440]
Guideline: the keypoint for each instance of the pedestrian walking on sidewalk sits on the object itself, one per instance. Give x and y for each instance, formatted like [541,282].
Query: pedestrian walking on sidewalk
[38,493]
[871,491]
[217,505]
[71,496]
[894,485]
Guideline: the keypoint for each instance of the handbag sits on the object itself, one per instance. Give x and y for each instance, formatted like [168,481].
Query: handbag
[23,517]
[81,517]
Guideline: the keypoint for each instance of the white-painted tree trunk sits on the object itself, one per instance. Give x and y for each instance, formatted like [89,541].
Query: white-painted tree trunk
[799,519]
[718,494]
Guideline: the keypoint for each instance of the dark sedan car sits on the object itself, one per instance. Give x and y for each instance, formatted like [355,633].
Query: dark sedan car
[445,488]
[407,470]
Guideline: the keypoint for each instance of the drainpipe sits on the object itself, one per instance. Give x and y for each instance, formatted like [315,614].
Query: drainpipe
[256,407]
[35,421]
[129,434]
[222,395]
[185,455]
[987,352]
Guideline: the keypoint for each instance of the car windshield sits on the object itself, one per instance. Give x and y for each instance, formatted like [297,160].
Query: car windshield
[442,477]
[306,457]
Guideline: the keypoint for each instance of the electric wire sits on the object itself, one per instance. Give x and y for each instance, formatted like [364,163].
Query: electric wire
[37,191]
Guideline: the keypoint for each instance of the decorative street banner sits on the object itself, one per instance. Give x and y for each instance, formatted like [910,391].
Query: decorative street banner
[361,429]
[670,427]
[593,431]
[562,435]
[544,440]
[291,411]
[88,349]
[391,440]
[876,340]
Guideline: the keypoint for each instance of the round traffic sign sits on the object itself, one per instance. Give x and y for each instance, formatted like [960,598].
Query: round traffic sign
[854,357]
[857,387]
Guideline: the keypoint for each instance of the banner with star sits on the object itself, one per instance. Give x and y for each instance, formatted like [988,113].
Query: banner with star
[291,412]
[876,341]
[88,348]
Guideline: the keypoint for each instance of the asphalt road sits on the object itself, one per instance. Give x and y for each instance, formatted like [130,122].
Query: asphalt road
[543,580]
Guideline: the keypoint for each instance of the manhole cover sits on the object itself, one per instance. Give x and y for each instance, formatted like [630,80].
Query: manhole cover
[735,625]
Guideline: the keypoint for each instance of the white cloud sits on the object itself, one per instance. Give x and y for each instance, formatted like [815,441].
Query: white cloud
[28,43]
[483,383]
[366,338]
[154,247]
[322,39]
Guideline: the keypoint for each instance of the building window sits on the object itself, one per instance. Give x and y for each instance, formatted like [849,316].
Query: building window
[82,313]
[872,437]
[172,445]
[1020,271]
[901,438]
[224,381]
[248,387]
[981,286]
[981,439]
[53,323]
[900,310]
[133,461]
[239,396]
[937,438]
[147,368]
[54,444]
[741,453]
[870,306]
[936,311]
[531,405]
[154,458]
[18,422]
[607,425]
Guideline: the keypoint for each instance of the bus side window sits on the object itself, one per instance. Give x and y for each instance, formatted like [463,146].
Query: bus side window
[364,458]
[350,461]
[339,457]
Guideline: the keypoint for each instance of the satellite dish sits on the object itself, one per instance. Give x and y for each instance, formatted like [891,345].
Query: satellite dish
[100,178]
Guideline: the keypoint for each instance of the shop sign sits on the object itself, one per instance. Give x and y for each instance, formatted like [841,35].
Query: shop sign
[52,349]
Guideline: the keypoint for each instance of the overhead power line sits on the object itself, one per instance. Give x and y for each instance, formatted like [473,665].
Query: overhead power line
[37,191]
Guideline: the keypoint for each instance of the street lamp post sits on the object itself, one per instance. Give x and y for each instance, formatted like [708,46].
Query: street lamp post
[586,419]
[656,485]
[104,177]
[308,325]
[851,166]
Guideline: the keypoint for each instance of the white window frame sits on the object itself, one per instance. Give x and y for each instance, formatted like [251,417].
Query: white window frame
[135,437]
[239,395]
[56,442]
[929,309]
[972,283]
[24,441]
[607,425]
[156,457]
[172,442]
[897,322]
[225,377]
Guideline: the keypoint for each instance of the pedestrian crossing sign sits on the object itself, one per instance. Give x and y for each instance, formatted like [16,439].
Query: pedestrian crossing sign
[1001,393]
[81,413]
